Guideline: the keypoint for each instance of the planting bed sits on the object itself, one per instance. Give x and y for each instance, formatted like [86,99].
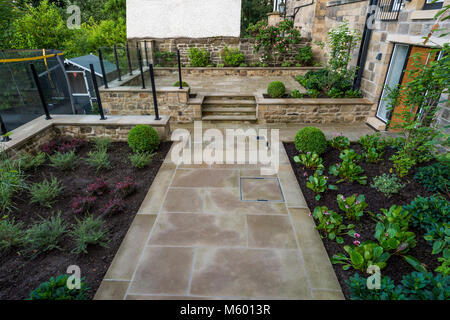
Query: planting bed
[396,266]
[19,275]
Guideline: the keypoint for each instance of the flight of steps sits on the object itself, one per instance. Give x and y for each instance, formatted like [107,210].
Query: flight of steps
[229,108]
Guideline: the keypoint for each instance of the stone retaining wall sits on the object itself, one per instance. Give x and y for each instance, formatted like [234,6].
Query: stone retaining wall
[172,102]
[324,111]
[243,72]
[214,45]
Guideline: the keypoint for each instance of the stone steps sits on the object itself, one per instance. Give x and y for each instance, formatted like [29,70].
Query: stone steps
[229,108]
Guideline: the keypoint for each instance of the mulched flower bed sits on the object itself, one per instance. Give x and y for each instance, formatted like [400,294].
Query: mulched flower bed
[19,275]
[396,266]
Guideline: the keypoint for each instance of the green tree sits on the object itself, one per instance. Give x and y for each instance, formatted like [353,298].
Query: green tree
[7,15]
[40,27]
[116,9]
[252,12]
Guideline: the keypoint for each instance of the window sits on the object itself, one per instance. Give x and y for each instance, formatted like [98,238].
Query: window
[432,4]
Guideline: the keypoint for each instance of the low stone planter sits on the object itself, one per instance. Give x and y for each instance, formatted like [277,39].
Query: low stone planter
[320,110]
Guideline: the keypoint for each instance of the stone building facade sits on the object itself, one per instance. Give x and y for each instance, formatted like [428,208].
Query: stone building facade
[405,25]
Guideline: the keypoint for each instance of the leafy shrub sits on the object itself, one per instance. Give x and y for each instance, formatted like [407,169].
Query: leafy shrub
[353,94]
[439,236]
[198,57]
[349,155]
[114,206]
[143,138]
[99,160]
[436,177]
[331,224]
[311,139]
[361,256]
[11,233]
[304,56]
[296,94]
[62,146]
[45,192]
[360,291]
[185,84]
[340,142]
[64,161]
[44,236]
[220,65]
[335,93]
[141,159]
[387,184]
[56,289]
[425,286]
[276,89]
[125,188]
[313,93]
[310,160]
[165,58]
[12,179]
[314,80]
[444,268]
[394,240]
[395,215]
[348,171]
[232,57]
[98,188]
[89,231]
[353,206]
[102,144]
[29,161]
[318,184]
[426,211]
[81,204]
[414,286]
[243,65]
[402,163]
[372,155]
[370,141]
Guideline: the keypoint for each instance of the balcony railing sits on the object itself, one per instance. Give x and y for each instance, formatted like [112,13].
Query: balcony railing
[388,10]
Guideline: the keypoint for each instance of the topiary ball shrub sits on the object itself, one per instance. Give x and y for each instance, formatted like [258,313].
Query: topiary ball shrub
[276,89]
[310,139]
[177,84]
[143,138]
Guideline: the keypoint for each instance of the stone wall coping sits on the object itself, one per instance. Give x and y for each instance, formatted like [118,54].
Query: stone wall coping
[341,2]
[23,133]
[139,89]
[240,68]
[309,101]
[197,100]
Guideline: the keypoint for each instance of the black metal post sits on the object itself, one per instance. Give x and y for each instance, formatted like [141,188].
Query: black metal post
[146,52]
[117,62]
[41,93]
[5,137]
[155,100]
[100,57]
[179,69]
[140,67]
[97,93]
[129,61]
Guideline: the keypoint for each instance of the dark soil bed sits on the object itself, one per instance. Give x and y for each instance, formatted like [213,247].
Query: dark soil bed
[396,266]
[20,275]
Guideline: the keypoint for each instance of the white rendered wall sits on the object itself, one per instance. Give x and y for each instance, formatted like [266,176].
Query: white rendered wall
[183,18]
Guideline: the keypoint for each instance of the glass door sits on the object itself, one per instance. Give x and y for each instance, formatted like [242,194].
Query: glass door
[393,77]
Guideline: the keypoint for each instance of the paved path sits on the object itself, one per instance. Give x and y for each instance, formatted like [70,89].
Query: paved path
[201,233]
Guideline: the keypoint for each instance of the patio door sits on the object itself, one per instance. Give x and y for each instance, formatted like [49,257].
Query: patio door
[424,56]
[393,77]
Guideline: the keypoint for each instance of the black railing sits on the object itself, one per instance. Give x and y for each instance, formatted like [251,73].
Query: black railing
[388,10]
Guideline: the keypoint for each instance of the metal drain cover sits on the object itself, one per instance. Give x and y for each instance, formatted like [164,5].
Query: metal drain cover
[261,189]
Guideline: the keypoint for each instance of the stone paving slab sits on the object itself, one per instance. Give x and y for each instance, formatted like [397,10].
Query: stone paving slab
[193,238]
